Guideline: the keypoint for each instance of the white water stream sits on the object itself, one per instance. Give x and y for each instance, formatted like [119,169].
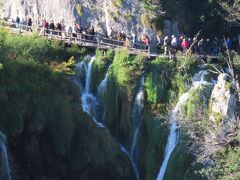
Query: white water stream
[198,80]
[4,162]
[91,104]
[136,124]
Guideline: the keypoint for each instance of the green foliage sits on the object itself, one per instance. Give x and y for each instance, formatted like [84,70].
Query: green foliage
[236,62]
[180,159]
[100,67]
[128,16]
[34,48]
[153,143]
[123,80]
[187,64]
[126,68]
[227,165]
[146,20]
[41,115]
[31,93]
[79,9]
[198,97]
[119,3]
[65,67]
[180,83]
[158,80]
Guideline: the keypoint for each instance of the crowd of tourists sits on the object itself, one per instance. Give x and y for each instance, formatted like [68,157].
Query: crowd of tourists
[59,28]
[168,45]
[208,46]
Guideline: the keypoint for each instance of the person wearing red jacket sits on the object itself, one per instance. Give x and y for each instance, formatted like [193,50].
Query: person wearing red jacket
[184,45]
[146,41]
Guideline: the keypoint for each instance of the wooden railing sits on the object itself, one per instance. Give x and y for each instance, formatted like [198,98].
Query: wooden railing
[87,40]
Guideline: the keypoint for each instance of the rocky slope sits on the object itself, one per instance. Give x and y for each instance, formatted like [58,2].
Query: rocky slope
[104,15]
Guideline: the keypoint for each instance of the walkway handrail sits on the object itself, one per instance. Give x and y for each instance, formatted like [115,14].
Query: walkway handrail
[87,40]
[73,35]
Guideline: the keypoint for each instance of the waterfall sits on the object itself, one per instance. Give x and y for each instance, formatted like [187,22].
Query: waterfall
[80,67]
[134,165]
[136,118]
[89,75]
[173,136]
[136,124]
[198,80]
[91,104]
[5,169]
[103,85]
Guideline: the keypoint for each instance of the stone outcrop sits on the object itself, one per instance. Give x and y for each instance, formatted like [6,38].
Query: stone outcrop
[223,99]
[104,15]
[171,28]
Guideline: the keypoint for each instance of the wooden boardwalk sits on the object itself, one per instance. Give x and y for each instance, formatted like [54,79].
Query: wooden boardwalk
[89,41]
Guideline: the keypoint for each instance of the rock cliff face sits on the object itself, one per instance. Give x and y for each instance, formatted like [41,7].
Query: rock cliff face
[223,99]
[104,15]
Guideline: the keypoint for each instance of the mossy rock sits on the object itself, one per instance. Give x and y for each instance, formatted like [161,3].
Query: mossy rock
[152,145]
[180,160]
[100,68]
[198,97]
[158,80]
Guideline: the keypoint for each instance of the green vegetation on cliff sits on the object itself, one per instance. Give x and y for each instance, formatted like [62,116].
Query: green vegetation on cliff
[42,117]
[123,81]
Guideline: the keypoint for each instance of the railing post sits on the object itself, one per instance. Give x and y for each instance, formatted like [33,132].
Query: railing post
[20,27]
[149,50]
[98,41]
[80,38]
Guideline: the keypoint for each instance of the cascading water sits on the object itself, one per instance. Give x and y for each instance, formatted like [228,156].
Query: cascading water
[89,101]
[4,168]
[198,80]
[136,118]
[89,74]
[80,67]
[173,136]
[103,85]
[91,104]
[134,165]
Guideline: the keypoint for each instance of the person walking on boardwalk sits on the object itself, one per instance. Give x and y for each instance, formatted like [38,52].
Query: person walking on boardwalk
[174,44]
[29,24]
[166,44]
[146,41]
[17,21]
[184,45]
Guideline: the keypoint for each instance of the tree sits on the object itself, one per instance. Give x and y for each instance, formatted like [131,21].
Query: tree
[232,9]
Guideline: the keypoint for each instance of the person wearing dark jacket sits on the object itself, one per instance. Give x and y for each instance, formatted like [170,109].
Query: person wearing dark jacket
[29,24]
[51,27]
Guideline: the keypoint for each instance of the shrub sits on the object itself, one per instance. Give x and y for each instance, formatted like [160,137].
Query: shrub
[79,9]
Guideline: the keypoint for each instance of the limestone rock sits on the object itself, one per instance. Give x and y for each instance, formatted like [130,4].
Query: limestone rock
[223,99]
[171,28]
[104,15]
